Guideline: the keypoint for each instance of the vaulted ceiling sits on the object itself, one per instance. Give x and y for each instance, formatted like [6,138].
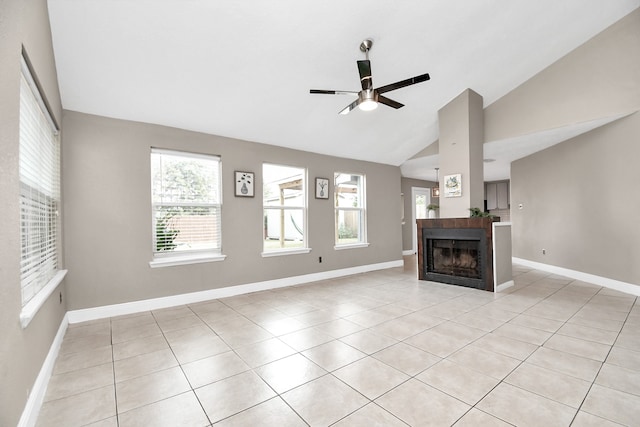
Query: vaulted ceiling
[243,69]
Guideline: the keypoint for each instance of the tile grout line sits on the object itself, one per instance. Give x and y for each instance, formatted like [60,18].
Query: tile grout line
[348,291]
[400,341]
[577,410]
[605,361]
[250,369]
[113,367]
[180,365]
[521,362]
[328,373]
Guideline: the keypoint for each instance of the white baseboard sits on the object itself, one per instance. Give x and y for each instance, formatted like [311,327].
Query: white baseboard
[36,397]
[409,252]
[84,315]
[606,282]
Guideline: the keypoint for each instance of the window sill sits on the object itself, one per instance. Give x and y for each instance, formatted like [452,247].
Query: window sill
[286,252]
[351,246]
[171,261]
[30,310]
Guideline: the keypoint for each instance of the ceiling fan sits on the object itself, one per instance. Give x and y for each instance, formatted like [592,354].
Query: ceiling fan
[369,97]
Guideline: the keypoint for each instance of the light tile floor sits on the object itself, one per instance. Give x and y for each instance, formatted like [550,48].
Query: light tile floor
[379,348]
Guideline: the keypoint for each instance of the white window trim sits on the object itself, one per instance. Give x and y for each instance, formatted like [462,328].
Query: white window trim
[351,246]
[31,308]
[283,252]
[288,251]
[363,213]
[184,259]
[363,209]
[26,71]
[169,258]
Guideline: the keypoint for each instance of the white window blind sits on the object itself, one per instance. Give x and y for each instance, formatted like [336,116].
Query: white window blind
[187,203]
[39,170]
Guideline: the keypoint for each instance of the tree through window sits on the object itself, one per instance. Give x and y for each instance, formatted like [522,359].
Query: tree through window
[186,201]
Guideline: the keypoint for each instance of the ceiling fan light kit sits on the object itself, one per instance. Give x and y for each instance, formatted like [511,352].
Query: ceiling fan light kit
[369,97]
[368,100]
[368,105]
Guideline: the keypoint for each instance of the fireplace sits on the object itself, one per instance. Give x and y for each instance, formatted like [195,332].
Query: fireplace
[456,251]
[455,256]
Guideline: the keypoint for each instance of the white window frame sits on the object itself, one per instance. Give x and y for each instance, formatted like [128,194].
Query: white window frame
[362,208]
[39,171]
[171,258]
[303,208]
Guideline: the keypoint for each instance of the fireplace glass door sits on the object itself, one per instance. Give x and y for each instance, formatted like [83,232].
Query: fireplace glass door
[460,258]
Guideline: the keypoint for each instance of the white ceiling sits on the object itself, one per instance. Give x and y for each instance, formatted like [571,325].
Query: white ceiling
[243,69]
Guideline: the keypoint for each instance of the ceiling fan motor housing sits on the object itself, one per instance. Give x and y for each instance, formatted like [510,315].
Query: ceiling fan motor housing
[368,95]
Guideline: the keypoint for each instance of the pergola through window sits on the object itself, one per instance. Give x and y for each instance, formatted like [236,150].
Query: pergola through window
[349,209]
[284,207]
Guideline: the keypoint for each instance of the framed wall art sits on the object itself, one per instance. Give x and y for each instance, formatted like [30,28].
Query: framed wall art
[244,183]
[453,185]
[322,188]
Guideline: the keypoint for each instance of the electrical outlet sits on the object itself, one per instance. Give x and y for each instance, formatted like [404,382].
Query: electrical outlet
[544,252]
[60,297]
[320,259]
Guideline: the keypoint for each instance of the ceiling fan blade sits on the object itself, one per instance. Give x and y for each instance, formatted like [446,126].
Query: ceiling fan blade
[350,107]
[333,92]
[364,68]
[403,83]
[390,102]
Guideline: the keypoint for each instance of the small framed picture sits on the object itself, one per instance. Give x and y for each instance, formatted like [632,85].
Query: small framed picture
[244,184]
[322,188]
[453,185]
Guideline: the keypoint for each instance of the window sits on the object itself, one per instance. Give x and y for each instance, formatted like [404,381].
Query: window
[350,209]
[284,199]
[39,171]
[187,204]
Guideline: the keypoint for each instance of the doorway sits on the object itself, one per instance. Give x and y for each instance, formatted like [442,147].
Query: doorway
[420,199]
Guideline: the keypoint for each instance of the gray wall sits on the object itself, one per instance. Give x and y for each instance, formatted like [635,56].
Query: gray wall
[581,203]
[22,351]
[108,230]
[598,79]
[580,198]
[407,227]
